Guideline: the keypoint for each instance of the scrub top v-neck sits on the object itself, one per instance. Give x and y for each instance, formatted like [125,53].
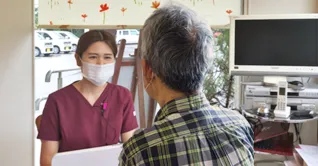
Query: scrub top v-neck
[70,119]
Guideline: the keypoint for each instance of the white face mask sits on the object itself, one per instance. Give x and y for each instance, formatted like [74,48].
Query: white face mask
[98,74]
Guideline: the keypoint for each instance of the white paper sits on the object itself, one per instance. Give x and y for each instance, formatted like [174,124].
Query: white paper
[101,156]
[309,154]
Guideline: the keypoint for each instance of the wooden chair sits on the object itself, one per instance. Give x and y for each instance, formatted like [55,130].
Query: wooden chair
[38,121]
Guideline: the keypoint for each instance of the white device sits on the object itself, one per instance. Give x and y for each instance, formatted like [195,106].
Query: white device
[282,110]
[282,96]
[309,92]
[306,99]
[101,156]
[296,104]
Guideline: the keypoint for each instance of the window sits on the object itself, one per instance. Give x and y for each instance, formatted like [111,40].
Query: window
[125,33]
[56,35]
[64,35]
[40,37]
[134,33]
[45,35]
[217,79]
[217,17]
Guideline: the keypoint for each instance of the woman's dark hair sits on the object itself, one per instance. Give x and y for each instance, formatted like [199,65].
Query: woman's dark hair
[93,36]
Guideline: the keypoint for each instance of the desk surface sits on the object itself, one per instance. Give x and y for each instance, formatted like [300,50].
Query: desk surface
[276,119]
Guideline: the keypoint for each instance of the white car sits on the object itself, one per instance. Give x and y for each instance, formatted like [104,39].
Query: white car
[42,46]
[69,35]
[59,43]
[131,35]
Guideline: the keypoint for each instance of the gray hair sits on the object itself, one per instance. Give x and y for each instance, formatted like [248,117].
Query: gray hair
[177,45]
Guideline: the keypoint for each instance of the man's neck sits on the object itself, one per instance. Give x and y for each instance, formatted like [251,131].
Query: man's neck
[165,95]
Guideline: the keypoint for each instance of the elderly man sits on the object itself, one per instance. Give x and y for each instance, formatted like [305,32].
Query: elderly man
[176,49]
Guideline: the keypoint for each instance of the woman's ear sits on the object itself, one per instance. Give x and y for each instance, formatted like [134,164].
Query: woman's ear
[78,60]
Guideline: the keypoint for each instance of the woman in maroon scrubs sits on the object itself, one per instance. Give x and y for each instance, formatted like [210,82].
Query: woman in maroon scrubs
[91,112]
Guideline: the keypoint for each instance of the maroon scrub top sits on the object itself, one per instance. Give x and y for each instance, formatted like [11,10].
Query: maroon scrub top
[70,119]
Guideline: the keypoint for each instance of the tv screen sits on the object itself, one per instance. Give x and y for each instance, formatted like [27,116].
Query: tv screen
[288,42]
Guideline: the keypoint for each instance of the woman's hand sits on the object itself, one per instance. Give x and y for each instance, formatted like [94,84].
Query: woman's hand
[48,150]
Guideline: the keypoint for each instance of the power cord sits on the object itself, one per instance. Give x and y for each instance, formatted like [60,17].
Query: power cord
[296,85]
[297,132]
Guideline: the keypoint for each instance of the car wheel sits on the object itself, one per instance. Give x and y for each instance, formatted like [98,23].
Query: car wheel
[37,52]
[56,50]
[74,46]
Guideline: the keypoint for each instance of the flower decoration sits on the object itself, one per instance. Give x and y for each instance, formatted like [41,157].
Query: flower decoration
[155,4]
[229,12]
[84,17]
[103,9]
[217,34]
[123,10]
[70,2]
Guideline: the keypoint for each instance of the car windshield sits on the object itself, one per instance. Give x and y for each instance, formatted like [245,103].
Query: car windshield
[40,37]
[134,32]
[59,36]
[55,35]
[70,34]
[63,34]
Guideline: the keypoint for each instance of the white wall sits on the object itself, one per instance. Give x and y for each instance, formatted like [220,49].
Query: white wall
[281,6]
[16,83]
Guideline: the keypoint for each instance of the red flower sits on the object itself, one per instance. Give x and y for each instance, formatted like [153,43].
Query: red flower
[217,34]
[155,5]
[84,17]
[123,10]
[228,11]
[70,2]
[103,7]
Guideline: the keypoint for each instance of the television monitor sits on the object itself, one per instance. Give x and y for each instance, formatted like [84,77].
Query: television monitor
[274,45]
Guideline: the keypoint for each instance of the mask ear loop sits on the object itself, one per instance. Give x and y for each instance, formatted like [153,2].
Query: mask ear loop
[152,77]
[80,58]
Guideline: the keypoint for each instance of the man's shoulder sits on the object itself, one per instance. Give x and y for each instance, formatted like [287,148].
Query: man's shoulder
[228,116]
[143,138]
[178,124]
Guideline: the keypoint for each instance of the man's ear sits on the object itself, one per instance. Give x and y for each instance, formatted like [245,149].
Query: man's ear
[146,70]
[78,60]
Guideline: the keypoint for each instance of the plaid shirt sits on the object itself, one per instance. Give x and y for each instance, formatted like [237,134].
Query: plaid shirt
[189,131]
